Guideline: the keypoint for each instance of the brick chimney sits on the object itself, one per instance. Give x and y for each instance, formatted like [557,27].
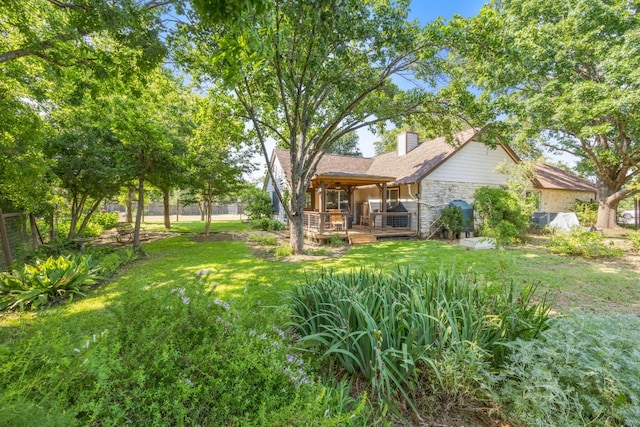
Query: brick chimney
[407,141]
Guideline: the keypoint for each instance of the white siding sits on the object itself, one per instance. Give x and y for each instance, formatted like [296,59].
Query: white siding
[473,163]
[281,183]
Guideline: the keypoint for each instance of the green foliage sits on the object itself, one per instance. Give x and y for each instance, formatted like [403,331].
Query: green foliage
[284,250]
[107,220]
[143,352]
[335,52]
[384,326]
[347,145]
[589,244]
[556,76]
[501,214]
[45,281]
[634,237]
[56,247]
[336,240]
[172,355]
[587,212]
[266,224]
[258,204]
[452,220]
[584,370]
[263,239]
[92,229]
[108,259]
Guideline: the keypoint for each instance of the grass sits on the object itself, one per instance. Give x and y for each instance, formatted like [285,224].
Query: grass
[140,354]
[197,226]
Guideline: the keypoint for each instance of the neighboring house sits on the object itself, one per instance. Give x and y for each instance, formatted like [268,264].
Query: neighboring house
[422,177]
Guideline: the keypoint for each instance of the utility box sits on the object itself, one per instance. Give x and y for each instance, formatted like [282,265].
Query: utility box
[467,214]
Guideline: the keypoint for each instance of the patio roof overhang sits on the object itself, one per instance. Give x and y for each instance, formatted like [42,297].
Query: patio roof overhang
[338,180]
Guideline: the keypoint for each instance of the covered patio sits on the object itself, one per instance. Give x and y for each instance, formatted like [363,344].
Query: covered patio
[322,223]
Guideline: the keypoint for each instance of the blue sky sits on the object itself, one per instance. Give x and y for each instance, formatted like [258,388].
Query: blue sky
[426,11]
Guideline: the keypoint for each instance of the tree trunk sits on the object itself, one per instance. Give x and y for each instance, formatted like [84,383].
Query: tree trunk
[296,224]
[136,230]
[296,239]
[129,205]
[88,216]
[165,200]
[207,217]
[608,200]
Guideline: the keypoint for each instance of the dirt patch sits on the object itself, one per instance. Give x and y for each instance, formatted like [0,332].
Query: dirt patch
[264,245]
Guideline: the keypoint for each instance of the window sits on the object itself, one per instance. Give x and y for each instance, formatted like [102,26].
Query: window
[308,203]
[275,202]
[393,196]
[337,199]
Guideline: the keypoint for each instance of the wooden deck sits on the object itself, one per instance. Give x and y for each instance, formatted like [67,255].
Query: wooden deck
[359,234]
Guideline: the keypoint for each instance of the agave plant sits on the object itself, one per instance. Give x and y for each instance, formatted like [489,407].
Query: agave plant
[47,280]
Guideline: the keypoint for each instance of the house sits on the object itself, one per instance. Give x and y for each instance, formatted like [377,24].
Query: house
[405,190]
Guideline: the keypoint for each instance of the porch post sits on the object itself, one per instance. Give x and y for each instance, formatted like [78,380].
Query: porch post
[323,192]
[383,208]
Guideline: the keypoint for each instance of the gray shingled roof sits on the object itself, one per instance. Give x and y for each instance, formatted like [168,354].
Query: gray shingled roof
[329,164]
[424,159]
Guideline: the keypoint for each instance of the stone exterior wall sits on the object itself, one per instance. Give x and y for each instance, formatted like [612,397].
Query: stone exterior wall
[562,200]
[436,195]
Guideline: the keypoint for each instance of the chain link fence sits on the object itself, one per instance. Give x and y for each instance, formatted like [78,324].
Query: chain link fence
[17,241]
[157,209]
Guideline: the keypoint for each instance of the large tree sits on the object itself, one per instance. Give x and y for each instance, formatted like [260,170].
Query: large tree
[309,73]
[142,114]
[218,155]
[41,39]
[347,145]
[566,75]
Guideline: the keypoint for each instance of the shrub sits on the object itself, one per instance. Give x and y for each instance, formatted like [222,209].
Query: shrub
[258,205]
[588,244]
[45,281]
[383,326]
[263,240]
[266,224]
[55,248]
[452,220]
[587,212]
[584,370]
[183,357]
[502,215]
[107,220]
[284,250]
[336,240]
[91,230]
[634,238]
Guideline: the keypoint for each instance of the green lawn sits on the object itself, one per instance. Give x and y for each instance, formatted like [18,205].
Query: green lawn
[150,348]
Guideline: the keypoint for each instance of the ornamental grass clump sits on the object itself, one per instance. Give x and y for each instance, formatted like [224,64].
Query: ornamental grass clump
[388,328]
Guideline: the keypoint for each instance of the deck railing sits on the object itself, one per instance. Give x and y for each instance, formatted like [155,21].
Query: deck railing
[327,222]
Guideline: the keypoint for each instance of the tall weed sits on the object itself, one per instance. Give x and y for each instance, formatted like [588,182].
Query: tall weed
[589,244]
